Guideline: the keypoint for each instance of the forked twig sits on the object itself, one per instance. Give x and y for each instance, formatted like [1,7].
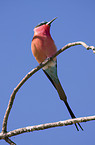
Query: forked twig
[46,126]
[12,97]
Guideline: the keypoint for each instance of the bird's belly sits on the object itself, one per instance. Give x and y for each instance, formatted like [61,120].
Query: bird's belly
[52,63]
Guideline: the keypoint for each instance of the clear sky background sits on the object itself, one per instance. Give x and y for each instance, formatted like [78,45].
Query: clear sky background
[37,102]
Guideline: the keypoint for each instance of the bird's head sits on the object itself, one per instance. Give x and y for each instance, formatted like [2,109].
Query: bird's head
[43,28]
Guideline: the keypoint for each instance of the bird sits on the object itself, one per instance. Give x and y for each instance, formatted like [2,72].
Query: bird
[43,47]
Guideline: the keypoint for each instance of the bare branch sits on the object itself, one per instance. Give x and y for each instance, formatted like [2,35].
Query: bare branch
[46,126]
[9,141]
[12,97]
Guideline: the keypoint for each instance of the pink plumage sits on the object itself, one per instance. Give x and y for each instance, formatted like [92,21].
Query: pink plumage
[44,47]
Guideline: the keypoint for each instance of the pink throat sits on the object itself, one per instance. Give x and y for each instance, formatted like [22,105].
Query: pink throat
[42,30]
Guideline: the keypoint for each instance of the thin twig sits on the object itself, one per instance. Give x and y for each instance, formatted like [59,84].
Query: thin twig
[9,141]
[46,126]
[12,97]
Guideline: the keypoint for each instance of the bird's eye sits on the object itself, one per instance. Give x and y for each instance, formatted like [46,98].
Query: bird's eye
[42,23]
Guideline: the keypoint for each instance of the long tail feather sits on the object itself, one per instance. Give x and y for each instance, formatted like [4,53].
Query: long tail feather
[72,115]
[51,73]
[64,98]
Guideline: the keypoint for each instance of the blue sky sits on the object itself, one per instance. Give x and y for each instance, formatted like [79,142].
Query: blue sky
[37,101]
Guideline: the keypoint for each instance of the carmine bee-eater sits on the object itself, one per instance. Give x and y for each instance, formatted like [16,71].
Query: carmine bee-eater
[43,47]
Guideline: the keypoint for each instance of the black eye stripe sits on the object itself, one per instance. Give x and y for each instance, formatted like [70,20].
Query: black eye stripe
[42,23]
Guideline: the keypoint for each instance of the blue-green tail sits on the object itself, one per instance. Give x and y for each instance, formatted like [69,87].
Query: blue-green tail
[51,73]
